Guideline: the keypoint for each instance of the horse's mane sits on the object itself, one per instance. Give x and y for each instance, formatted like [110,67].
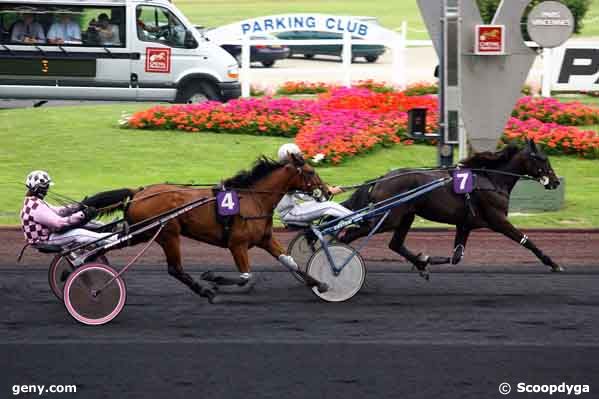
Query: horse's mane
[247,178]
[491,160]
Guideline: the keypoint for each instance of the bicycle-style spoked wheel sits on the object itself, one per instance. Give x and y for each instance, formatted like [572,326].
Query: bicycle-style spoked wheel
[301,250]
[59,272]
[87,297]
[348,282]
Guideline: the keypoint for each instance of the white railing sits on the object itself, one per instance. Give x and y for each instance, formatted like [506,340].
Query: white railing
[398,46]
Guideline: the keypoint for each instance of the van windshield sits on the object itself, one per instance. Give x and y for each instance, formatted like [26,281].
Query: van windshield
[89,26]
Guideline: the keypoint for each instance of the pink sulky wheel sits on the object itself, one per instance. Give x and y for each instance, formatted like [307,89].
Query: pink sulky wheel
[87,297]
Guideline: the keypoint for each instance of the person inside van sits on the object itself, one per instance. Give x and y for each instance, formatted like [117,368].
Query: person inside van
[142,28]
[64,31]
[107,33]
[27,31]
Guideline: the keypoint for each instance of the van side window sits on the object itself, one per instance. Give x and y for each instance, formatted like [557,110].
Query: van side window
[157,24]
[93,26]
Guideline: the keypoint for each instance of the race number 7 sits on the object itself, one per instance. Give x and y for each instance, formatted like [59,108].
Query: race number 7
[463,179]
[228,201]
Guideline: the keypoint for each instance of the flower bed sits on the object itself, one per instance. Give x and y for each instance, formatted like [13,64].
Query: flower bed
[551,110]
[256,116]
[344,122]
[554,138]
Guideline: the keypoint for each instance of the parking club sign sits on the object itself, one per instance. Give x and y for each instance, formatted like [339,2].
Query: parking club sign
[490,40]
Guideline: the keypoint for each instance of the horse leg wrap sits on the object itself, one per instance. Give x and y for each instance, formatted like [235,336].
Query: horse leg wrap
[244,278]
[288,262]
[458,254]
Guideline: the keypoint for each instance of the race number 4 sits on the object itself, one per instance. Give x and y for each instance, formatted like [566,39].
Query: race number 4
[463,181]
[228,203]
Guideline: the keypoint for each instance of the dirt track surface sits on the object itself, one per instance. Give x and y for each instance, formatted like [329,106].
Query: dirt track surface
[484,248]
[500,317]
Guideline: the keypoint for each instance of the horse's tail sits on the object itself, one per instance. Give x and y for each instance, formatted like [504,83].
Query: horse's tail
[108,202]
[360,198]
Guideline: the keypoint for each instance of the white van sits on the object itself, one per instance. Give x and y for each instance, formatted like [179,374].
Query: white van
[134,50]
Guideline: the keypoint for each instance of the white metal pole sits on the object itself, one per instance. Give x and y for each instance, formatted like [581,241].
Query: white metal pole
[346,58]
[398,65]
[245,66]
[547,77]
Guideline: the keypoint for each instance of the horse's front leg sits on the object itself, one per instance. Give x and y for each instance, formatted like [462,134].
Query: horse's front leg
[504,227]
[273,247]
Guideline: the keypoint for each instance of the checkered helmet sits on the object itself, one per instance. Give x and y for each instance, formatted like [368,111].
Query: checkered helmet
[38,179]
[287,149]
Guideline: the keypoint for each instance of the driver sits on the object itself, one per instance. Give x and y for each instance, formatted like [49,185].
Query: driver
[301,209]
[44,223]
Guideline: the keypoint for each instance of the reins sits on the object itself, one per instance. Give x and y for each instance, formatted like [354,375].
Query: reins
[432,169]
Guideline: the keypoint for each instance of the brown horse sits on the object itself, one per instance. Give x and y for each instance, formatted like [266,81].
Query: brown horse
[260,190]
[497,174]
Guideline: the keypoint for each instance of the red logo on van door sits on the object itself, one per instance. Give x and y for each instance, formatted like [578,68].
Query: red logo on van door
[158,60]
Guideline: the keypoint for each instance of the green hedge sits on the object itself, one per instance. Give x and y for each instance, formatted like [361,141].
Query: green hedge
[578,7]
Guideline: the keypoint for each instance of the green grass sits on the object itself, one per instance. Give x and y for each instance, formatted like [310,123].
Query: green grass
[389,13]
[86,152]
[591,20]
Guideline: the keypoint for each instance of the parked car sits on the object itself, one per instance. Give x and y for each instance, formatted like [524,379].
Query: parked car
[266,55]
[371,52]
[153,53]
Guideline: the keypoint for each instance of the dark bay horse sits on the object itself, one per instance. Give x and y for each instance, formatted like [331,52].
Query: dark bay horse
[260,190]
[488,207]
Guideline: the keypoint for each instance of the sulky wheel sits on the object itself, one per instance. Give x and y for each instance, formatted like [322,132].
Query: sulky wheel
[85,303]
[301,250]
[59,271]
[344,285]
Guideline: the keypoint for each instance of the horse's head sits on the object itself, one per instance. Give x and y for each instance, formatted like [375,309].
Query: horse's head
[536,164]
[304,177]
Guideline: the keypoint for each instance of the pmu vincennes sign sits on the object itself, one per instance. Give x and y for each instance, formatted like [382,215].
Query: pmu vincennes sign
[550,24]
[358,27]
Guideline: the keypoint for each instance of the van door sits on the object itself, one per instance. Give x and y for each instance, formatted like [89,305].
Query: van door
[160,42]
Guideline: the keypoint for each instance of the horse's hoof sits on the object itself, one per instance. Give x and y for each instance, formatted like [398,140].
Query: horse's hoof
[208,276]
[211,296]
[322,287]
[557,269]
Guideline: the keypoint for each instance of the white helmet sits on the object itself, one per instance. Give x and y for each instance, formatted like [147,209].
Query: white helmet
[287,149]
[38,179]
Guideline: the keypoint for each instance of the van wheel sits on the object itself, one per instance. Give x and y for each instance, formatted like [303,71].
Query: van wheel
[309,56]
[371,58]
[268,64]
[198,92]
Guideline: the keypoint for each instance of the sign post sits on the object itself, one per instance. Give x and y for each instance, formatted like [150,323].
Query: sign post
[483,67]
